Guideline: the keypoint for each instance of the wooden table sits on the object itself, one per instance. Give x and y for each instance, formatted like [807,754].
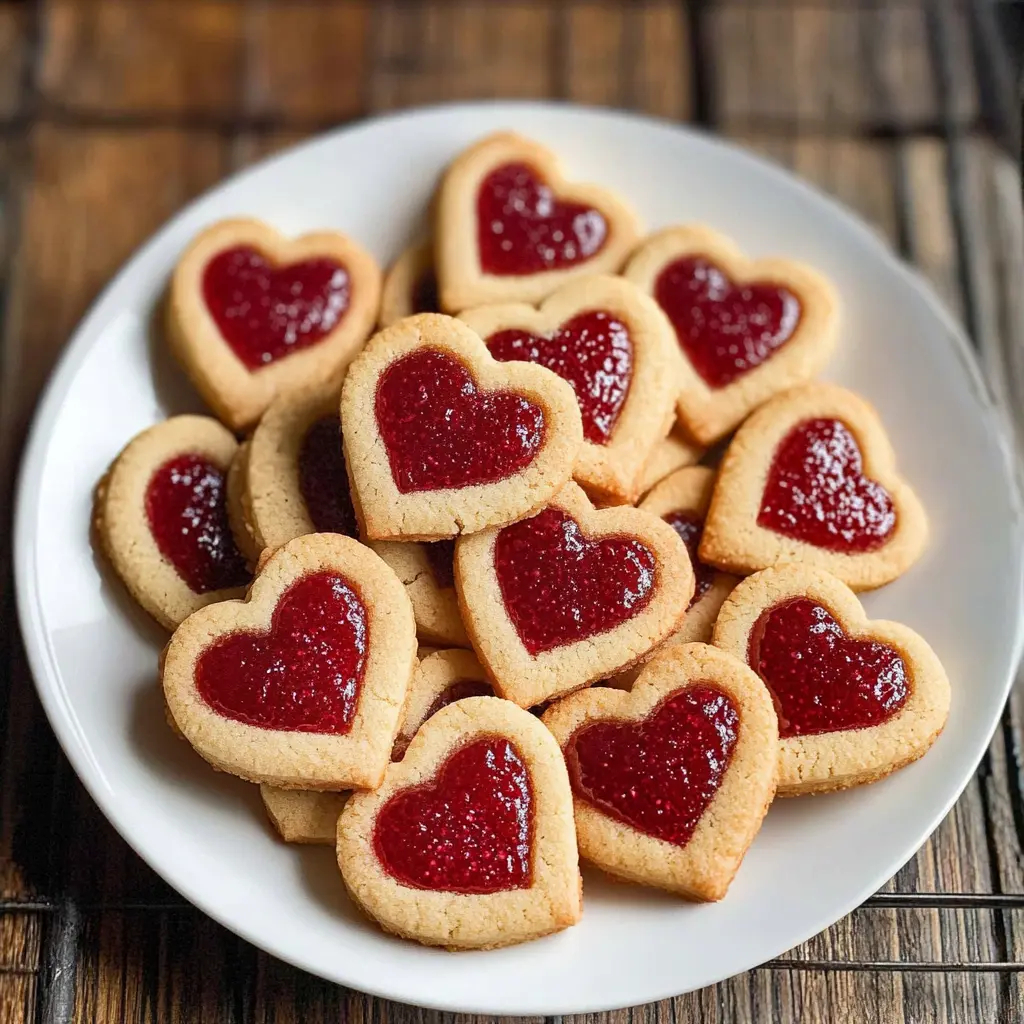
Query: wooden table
[113,114]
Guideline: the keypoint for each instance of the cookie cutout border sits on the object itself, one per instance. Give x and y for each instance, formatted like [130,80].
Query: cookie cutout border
[238,395]
[703,869]
[304,816]
[553,900]
[400,281]
[689,490]
[609,472]
[528,680]
[438,619]
[707,414]
[273,505]
[837,760]
[734,541]
[446,512]
[120,526]
[462,283]
[292,759]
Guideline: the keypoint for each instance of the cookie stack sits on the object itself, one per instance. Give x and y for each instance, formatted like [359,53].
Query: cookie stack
[458,597]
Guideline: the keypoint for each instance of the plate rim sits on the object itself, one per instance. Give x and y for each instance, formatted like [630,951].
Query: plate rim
[41,658]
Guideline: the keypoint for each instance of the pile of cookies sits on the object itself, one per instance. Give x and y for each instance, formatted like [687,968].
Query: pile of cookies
[627,655]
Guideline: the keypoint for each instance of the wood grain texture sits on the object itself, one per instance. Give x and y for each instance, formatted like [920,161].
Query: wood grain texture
[128,109]
[112,57]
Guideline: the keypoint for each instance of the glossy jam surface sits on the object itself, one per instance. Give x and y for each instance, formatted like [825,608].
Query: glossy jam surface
[523,228]
[186,506]
[823,680]
[816,492]
[690,527]
[323,481]
[441,555]
[265,312]
[657,775]
[424,293]
[560,586]
[469,830]
[441,431]
[593,352]
[304,675]
[724,329]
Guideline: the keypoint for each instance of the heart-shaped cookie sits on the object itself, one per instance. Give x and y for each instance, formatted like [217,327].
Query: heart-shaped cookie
[410,286]
[160,517]
[301,685]
[469,843]
[252,314]
[746,329]
[570,596]
[682,500]
[676,451]
[429,578]
[441,439]
[294,480]
[811,477]
[672,780]
[613,345]
[510,228]
[440,679]
[856,699]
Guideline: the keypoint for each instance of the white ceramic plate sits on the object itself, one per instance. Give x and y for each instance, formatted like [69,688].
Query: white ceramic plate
[94,656]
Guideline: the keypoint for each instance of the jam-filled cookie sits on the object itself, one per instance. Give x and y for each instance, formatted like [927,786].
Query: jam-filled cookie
[811,478]
[235,488]
[672,780]
[614,346]
[682,500]
[295,479]
[429,577]
[252,314]
[676,451]
[469,843]
[410,286]
[160,517]
[747,329]
[856,699]
[510,228]
[441,439]
[570,596]
[301,685]
[440,679]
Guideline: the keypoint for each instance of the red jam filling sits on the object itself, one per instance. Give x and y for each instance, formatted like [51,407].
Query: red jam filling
[304,675]
[593,352]
[725,329]
[265,312]
[816,491]
[323,481]
[821,679]
[469,830]
[440,431]
[657,775]
[441,556]
[424,293]
[690,527]
[186,505]
[559,586]
[522,228]
[458,690]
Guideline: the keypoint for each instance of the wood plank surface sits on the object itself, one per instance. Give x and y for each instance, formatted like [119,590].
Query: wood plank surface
[118,112]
